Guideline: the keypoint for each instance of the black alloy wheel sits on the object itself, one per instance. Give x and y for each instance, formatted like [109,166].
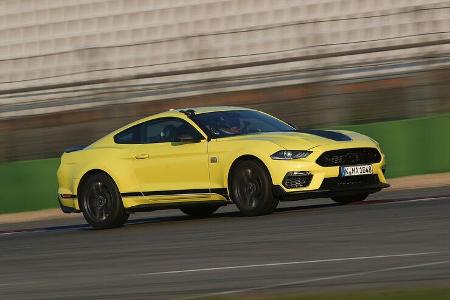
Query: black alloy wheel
[350,198]
[251,189]
[101,203]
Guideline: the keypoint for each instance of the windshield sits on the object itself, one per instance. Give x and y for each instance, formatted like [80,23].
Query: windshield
[238,122]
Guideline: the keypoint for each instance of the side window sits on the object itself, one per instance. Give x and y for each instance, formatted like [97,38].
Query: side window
[162,130]
[167,130]
[131,135]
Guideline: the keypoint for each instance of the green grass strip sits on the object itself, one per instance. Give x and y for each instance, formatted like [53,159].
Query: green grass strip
[413,146]
[28,185]
[405,294]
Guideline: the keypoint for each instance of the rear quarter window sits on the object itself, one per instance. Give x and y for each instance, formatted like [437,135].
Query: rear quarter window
[132,135]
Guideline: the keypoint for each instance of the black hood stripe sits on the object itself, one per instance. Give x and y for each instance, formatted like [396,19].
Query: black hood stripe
[332,135]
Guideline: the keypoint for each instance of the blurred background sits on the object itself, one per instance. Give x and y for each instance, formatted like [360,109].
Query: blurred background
[72,71]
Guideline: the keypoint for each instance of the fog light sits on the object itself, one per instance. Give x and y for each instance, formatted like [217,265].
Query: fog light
[297,179]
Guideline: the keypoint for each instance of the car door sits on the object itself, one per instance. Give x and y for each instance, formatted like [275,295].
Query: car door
[165,167]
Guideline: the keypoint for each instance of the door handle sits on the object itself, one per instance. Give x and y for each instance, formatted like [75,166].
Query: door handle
[142,156]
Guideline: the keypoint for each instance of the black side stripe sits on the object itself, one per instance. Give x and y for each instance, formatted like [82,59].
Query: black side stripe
[222,192]
[176,192]
[67,196]
[133,194]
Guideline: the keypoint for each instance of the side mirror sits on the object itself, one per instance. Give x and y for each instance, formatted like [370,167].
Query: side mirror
[186,138]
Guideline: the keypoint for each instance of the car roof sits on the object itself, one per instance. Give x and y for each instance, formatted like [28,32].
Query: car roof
[174,112]
[208,109]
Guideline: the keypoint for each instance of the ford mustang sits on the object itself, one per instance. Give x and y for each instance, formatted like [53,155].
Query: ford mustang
[200,159]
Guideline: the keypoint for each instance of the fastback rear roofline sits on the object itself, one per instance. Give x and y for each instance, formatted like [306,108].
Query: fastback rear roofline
[74,148]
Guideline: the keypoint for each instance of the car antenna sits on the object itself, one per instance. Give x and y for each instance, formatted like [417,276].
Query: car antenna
[188,112]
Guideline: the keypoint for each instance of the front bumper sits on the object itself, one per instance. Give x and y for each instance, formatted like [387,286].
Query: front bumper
[334,186]
[319,174]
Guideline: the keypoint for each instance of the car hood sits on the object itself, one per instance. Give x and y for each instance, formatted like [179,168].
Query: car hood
[308,139]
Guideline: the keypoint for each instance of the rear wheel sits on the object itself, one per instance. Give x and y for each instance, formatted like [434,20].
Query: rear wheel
[350,198]
[199,210]
[101,203]
[251,189]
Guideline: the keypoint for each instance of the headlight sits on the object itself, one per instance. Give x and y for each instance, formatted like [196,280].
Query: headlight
[290,154]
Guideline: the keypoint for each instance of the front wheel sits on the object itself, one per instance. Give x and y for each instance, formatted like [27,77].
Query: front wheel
[350,198]
[251,189]
[101,203]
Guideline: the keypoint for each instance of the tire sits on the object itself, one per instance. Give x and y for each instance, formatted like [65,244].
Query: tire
[350,198]
[251,189]
[101,203]
[199,210]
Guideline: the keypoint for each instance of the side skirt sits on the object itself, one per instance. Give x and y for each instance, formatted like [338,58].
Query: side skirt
[222,192]
[173,205]
[158,200]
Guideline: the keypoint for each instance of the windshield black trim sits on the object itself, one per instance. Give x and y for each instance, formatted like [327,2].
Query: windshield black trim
[211,136]
[202,127]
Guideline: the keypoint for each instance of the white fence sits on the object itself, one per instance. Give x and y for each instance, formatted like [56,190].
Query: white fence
[55,52]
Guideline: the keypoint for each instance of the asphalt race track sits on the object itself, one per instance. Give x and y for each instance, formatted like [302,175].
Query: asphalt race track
[399,239]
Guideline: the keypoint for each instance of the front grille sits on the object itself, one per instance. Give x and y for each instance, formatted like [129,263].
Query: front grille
[354,156]
[349,182]
[296,181]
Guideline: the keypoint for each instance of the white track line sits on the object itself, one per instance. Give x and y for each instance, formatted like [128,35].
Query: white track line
[22,232]
[285,263]
[414,200]
[12,284]
[300,282]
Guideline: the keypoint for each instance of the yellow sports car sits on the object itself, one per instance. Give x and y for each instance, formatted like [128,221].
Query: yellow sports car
[200,159]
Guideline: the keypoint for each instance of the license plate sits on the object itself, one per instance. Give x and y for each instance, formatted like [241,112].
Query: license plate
[356,170]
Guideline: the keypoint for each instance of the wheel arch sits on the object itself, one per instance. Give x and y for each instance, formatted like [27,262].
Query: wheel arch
[89,173]
[241,158]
